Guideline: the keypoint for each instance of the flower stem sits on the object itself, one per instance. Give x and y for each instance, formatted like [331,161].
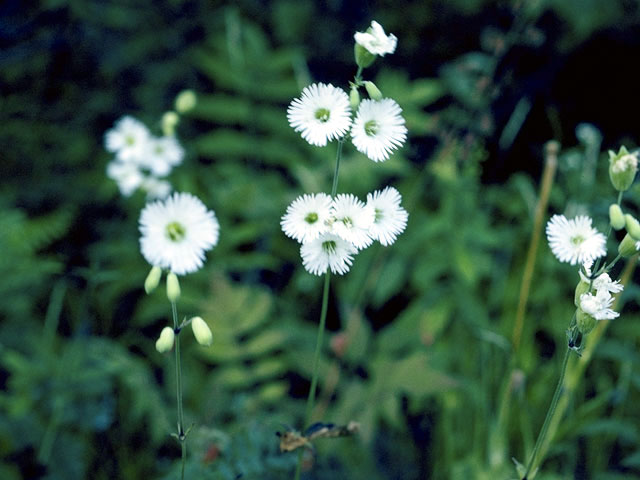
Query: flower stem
[181,434]
[334,186]
[316,363]
[550,412]
[323,319]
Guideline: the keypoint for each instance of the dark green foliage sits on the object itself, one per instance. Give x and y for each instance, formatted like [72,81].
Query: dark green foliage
[419,343]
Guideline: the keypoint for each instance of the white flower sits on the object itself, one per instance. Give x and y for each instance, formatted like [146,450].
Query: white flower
[176,233]
[376,41]
[128,139]
[327,251]
[307,217]
[163,153]
[378,128]
[321,114]
[390,219]
[574,241]
[127,175]
[351,220]
[604,282]
[598,305]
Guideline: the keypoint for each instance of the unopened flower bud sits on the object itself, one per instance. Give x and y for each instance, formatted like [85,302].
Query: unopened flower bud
[152,280]
[627,246]
[166,339]
[581,288]
[622,168]
[584,321]
[169,122]
[616,217]
[354,98]
[173,287]
[201,331]
[364,57]
[186,101]
[373,91]
[632,226]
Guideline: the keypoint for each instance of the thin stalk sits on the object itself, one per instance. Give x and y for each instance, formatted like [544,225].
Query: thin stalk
[181,435]
[323,320]
[550,413]
[316,363]
[550,165]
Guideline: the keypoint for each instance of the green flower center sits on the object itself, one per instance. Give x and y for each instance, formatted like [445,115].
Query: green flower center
[577,240]
[311,218]
[322,114]
[378,216]
[175,232]
[347,222]
[130,140]
[371,128]
[329,246]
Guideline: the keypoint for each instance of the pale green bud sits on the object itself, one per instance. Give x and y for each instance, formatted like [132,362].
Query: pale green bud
[616,217]
[584,321]
[622,168]
[169,122]
[186,101]
[173,287]
[373,91]
[627,246]
[152,280]
[166,339]
[364,57]
[581,288]
[632,226]
[201,331]
[354,98]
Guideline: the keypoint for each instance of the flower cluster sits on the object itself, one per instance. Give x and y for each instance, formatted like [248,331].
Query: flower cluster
[331,231]
[324,113]
[141,160]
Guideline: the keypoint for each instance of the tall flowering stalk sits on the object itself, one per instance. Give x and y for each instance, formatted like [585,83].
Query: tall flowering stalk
[175,234]
[332,229]
[576,242]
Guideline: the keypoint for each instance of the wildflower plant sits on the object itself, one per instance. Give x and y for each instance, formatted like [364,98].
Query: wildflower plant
[576,242]
[333,228]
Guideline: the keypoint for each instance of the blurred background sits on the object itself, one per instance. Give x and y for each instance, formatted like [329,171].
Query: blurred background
[420,334]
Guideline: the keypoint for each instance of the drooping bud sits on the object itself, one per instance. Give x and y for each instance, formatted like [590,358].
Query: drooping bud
[622,168]
[169,122]
[354,98]
[584,321]
[616,217]
[166,339]
[632,226]
[201,331]
[373,91]
[185,101]
[152,280]
[627,246]
[173,287]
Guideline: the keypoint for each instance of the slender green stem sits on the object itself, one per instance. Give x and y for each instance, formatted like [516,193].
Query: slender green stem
[323,319]
[550,412]
[181,434]
[334,186]
[316,363]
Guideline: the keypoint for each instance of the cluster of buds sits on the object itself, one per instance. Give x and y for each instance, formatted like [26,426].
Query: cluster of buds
[201,330]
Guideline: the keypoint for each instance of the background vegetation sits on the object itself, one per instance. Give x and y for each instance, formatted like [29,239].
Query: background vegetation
[420,345]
